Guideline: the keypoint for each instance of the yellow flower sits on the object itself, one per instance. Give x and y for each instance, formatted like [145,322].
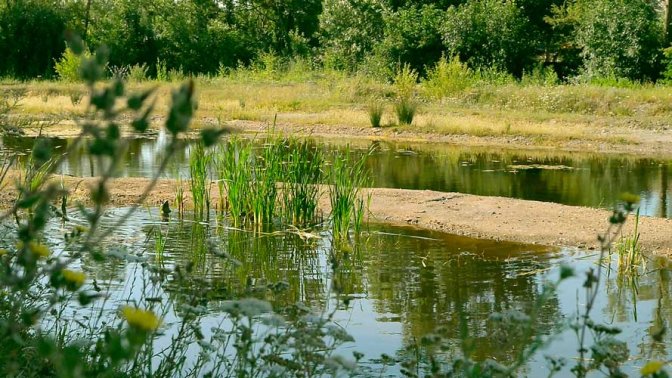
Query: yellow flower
[652,367]
[39,250]
[140,319]
[630,198]
[3,252]
[76,279]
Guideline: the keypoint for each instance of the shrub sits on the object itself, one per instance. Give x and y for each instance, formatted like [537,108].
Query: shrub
[618,38]
[448,77]
[489,34]
[67,68]
[138,73]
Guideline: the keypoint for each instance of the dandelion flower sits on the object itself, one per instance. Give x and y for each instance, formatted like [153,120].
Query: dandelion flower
[74,279]
[141,319]
[39,250]
[652,367]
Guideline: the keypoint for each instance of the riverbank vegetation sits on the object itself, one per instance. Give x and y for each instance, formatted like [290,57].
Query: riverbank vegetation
[552,71]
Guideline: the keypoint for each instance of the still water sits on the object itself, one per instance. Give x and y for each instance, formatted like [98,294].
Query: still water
[581,179]
[401,283]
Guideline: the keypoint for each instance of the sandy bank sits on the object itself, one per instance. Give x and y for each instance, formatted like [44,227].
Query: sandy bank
[494,218]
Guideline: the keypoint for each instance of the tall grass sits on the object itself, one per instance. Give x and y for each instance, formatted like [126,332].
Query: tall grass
[232,164]
[199,160]
[375,110]
[405,83]
[302,172]
[629,251]
[347,177]
[266,170]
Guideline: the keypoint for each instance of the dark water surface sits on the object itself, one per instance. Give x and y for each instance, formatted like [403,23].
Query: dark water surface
[402,283]
[583,179]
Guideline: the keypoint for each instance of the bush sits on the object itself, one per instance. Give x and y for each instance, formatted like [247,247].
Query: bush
[489,34]
[67,68]
[618,38]
[448,77]
[138,73]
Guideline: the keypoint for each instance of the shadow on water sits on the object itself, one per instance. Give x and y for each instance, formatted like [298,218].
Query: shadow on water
[400,284]
[582,179]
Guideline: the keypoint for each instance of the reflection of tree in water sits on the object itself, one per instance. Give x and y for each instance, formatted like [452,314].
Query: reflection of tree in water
[278,266]
[430,284]
[595,180]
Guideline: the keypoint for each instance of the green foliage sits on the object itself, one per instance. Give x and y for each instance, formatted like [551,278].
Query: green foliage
[618,38]
[489,34]
[405,83]
[138,73]
[31,37]
[448,78]
[412,36]
[349,30]
[67,67]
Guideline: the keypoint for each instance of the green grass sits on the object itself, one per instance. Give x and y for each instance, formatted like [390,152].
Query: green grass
[303,172]
[347,177]
[199,161]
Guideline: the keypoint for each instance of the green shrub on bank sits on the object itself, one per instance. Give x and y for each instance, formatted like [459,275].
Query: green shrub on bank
[67,67]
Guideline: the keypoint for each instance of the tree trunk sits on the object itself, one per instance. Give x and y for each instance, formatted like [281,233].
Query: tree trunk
[86,20]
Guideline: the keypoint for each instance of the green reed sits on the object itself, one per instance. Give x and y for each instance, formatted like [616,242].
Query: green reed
[199,161]
[347,177]
[302,172]
[629,251]
[233,167]
[266,170]
[179,196]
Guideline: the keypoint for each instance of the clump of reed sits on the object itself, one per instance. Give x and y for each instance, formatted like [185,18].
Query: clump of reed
[179,196]
[302,172]
[232,164]
[629,251]
[199,160]
[347,177]
[375,110]
[405,82]
[265,174]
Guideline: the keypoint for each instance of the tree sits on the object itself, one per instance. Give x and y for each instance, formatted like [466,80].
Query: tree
[31,37]
[489,34]
[349,30]
[620,38]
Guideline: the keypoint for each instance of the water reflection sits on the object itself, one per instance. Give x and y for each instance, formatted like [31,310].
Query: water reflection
[581,179]
[401,284]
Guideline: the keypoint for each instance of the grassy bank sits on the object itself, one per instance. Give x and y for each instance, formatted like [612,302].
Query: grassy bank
[546,113]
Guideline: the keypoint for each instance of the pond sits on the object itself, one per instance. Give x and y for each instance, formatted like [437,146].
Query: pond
[400,284]
[580,179]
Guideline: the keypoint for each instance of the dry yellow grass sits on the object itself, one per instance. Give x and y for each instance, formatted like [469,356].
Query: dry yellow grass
[557,113]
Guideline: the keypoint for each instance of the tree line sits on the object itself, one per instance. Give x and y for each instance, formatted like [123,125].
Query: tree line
[576,38]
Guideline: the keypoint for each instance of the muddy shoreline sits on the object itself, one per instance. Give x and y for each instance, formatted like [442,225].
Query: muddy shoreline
[494,218]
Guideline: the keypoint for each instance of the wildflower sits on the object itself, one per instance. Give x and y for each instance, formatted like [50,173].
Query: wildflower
[630,198]
[74,279]
[652,367]
[141,319]
[39,250]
